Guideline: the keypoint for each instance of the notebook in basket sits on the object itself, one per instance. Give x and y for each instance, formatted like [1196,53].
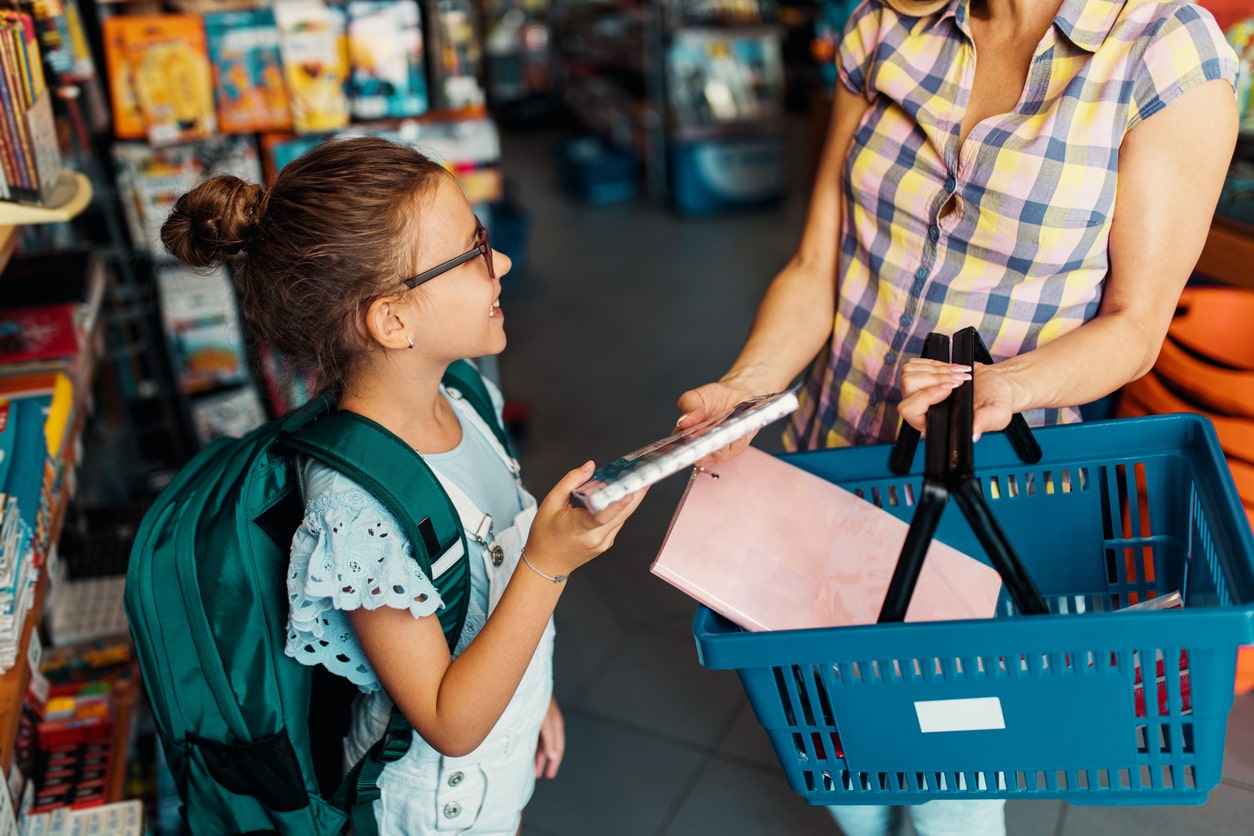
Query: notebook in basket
[770,547]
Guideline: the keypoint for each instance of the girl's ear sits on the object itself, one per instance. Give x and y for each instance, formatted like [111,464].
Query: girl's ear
[386,324]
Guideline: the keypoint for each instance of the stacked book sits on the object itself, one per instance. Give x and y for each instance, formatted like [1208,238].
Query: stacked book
[33,437]
[30,157]
[49,341]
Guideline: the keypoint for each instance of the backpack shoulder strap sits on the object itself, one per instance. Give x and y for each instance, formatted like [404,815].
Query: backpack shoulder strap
[392,472]
[466,379]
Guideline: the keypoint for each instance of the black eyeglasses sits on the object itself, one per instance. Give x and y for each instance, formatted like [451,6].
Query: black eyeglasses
[482,248]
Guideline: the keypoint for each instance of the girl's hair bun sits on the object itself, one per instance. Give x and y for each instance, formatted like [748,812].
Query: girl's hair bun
[214,221]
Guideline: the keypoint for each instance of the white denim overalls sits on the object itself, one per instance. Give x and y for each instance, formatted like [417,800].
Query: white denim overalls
[485,791]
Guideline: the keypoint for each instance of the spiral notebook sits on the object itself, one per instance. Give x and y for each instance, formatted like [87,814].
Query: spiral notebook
[770,546]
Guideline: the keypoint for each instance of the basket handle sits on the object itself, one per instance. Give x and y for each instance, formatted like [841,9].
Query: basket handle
[1018,433]
[950,468]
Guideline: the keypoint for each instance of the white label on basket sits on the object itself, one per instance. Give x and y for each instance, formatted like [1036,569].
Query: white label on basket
[976,714]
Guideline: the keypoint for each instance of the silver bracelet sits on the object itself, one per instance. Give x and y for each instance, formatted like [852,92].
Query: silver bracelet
[531,566]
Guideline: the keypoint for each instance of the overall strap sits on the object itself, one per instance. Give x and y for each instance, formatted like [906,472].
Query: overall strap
[393,473]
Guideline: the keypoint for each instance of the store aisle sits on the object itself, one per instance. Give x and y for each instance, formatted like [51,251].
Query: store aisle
[620,309]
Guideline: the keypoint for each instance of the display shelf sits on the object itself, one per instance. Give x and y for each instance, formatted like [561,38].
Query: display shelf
[13,684]
[69,197]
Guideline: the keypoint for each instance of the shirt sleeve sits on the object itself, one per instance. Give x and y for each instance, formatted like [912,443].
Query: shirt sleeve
[1187,49]
[348,553]
[858,46]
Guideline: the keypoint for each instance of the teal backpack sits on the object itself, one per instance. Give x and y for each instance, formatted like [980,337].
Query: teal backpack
[206,596]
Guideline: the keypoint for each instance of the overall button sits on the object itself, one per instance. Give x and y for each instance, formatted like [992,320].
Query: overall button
[455,779]
[452,810]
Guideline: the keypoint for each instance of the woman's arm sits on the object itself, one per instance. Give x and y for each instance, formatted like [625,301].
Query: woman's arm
[454,703]
[796,314]
[1171,170]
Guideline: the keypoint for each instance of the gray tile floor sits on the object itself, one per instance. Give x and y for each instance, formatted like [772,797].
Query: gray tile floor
[622,308]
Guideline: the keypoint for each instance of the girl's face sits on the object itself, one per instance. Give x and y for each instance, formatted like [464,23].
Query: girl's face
[460,307]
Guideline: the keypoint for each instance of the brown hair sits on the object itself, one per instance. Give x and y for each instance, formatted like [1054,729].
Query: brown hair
[326,240]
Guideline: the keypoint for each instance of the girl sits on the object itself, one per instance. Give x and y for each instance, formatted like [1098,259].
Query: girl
[365,261]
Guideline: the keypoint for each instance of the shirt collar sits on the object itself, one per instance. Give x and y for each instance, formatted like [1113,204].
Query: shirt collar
[1086,23]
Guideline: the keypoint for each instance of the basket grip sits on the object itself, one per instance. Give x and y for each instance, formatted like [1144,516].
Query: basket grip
[935,347]
[1018,432]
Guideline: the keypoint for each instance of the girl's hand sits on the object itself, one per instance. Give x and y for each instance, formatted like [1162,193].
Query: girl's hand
[552,744]
[713,400]
[564,537]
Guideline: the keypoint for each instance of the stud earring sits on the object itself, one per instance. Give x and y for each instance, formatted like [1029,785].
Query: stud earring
[411,340]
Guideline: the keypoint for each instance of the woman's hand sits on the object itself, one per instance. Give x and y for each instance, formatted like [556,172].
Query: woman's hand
[713,400]
[928,382]
[925,383]
[552,744]
[564,537]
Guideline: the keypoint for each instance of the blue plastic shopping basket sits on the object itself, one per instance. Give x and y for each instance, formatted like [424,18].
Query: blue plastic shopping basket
[1085,704]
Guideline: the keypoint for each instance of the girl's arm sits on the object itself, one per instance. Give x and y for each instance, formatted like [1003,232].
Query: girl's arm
[1171,170]
[795,317]
[453,703]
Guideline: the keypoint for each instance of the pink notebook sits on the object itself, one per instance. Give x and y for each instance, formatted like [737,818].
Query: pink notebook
[772,547]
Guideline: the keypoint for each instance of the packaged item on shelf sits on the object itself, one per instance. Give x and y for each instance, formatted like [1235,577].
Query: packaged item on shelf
[470,148]
[229,412]
[247,71]
[72,284]
[121,818]
[725,77]
[457,57]
[314,64]
[164,60]
[385,53]
[202,326]
[150,180]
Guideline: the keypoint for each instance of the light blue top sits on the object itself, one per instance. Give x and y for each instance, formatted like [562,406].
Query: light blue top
[350,552]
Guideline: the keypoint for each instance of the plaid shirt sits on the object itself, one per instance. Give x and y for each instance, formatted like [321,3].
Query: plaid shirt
[1009,232]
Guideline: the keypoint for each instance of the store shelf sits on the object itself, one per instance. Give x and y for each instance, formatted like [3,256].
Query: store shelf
[13,684]
[69,197]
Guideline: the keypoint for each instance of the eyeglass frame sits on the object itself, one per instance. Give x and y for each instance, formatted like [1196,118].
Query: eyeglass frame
[483,247]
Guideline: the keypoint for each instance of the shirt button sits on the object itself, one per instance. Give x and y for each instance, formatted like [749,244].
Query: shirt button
[875,400]
[452,810]
[455,779]
[890,358]
[921,273]
[950,185]
[905,319]
[933,232]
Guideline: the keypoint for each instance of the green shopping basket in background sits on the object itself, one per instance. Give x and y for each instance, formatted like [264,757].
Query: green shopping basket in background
[1086,703]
